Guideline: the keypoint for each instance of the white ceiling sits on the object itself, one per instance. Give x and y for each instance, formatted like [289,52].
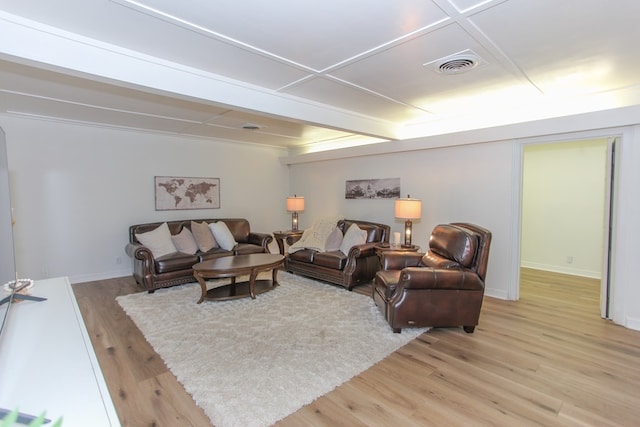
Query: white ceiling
[315,75]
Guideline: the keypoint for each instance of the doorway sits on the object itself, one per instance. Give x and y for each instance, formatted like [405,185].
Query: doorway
[566,199]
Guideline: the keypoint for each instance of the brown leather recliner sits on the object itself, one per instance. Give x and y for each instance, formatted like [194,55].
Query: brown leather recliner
[442,288]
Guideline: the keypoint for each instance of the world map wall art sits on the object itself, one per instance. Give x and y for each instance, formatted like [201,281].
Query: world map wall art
[186,193]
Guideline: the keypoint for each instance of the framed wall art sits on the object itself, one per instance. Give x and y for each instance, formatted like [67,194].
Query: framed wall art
[383,188]
[174,193]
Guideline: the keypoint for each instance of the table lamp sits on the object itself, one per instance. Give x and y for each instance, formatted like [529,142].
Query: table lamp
[408,209]
[295,204]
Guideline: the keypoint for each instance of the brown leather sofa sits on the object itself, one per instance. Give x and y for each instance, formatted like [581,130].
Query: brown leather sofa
[175,268]
[358,266]
[442,288]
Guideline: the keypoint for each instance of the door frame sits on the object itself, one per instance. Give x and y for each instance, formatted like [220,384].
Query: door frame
[612,136]
[606,283]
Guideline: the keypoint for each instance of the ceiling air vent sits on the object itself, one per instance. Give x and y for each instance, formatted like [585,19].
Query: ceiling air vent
[456,64]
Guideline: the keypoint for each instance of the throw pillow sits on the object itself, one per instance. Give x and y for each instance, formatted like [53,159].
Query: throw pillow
[158,240]
[334,240]
[353,236]
[203,236]
[223,235]
[184,242]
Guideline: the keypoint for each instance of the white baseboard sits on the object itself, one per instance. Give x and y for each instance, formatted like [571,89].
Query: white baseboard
[496,293]
[592,274]
[82,278]
[633,323]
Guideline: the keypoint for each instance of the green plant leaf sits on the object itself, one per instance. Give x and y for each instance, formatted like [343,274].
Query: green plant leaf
[39,421]
[12,417]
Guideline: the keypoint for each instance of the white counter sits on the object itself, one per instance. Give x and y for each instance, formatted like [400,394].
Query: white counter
[47,362]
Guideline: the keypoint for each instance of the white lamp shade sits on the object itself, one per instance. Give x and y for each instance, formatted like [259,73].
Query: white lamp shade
[295,204]
[408,208]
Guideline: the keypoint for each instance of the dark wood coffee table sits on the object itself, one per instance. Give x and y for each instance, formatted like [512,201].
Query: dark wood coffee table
[232,267]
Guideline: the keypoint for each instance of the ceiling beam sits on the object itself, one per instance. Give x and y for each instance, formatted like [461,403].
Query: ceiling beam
[35,44]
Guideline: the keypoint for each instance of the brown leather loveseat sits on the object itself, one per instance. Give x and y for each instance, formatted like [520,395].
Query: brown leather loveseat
[176,268]
[357,266]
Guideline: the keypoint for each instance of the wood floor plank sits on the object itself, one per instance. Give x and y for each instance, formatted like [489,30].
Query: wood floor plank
[547,359]
[323,412]
[511,396]
[144,392]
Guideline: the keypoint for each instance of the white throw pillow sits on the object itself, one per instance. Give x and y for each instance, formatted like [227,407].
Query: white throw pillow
[222,235]
[185,242]
[334,240]
[158,241]
[354,236]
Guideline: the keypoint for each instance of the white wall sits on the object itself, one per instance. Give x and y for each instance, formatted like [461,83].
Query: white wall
[76,190]
[476,176]
[563,207]
[468,184]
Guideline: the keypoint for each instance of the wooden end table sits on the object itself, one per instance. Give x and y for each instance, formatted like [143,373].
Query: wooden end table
[232,267]
[384,247]
[289,236]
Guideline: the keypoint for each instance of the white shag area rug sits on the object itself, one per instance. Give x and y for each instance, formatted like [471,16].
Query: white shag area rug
[253,362]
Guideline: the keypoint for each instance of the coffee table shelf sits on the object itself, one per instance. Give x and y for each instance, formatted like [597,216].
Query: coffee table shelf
[231,291]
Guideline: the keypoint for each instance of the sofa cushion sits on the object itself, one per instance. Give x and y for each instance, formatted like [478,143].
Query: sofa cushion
[222,235]
[454,243]
[333,259]
[433,260]
[303,255]
[158,241]
[214,253]
[184,242]
[204,237]
[175,262]
[247,248]
[354,236]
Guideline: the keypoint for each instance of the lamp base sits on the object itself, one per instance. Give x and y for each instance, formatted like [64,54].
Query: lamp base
[407,233]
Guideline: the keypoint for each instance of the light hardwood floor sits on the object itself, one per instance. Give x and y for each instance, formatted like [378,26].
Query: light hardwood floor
[548,359]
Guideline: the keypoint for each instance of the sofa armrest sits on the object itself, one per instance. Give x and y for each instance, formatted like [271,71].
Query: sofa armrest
[392,260]
[138,251]
[261,239]
[142,253]
[357,252]
[440,278]
[365,249]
